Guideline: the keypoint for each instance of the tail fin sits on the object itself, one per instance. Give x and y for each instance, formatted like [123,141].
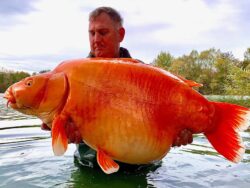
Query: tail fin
[229,119]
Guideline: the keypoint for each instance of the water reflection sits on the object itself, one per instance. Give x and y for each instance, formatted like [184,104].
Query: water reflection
[126,177]
[8,113]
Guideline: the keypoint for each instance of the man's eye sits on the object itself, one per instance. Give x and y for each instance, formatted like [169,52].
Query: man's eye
[92,33]
[103,32]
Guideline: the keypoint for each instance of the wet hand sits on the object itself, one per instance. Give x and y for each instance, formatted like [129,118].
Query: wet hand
[185,137]
[45,127]
[72,133]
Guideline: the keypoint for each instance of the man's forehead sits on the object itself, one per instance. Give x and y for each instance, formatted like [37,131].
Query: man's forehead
[99,27]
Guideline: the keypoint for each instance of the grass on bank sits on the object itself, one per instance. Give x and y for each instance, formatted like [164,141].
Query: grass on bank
[239,100]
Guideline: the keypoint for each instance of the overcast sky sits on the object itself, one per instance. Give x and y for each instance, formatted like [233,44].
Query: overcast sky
[39,34]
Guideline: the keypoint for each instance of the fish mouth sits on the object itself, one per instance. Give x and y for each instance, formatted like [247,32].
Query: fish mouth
[10,98]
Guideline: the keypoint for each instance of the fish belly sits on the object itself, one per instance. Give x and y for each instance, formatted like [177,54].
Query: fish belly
[127,139]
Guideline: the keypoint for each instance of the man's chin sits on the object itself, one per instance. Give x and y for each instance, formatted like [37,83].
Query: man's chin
[103,54]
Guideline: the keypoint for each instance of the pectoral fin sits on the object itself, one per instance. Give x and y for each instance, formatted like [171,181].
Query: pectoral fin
[107,164]
[59,137]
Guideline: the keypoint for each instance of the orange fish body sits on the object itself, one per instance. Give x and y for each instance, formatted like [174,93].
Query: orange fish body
[128,111]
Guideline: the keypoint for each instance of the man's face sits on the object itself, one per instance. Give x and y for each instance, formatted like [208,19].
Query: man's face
[105,36]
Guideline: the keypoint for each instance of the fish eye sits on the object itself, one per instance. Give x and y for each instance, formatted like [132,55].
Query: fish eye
[29,83]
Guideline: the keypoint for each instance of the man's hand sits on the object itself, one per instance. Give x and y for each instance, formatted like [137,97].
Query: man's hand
[72,133]
[45,127]
[185,137]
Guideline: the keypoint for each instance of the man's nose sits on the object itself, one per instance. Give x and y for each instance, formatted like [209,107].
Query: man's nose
[97,37]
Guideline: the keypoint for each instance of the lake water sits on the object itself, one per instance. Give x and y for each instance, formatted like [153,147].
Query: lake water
[27,160]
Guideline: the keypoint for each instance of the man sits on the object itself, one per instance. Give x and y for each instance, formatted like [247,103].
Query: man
[106,32]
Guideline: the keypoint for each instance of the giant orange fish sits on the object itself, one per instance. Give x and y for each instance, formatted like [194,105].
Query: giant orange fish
[126,111]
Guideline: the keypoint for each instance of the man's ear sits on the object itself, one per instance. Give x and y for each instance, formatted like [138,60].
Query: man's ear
[121,33]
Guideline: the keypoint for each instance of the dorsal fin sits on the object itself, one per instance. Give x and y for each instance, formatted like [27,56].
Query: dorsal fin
[190,83]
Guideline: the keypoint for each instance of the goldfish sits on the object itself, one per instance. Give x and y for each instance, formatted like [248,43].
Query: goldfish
[126,111]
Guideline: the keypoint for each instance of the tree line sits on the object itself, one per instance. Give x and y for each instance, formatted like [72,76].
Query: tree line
[220,73]
[7,78]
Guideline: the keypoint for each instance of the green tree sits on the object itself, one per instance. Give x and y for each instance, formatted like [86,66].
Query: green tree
[246,61]
[191,67]
[163,60]
[219,72]
[220,77]
[207,61]
[9,78]
[247,54]
[238,81]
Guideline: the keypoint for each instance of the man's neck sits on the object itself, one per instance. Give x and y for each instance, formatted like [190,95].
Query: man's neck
[123,53]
